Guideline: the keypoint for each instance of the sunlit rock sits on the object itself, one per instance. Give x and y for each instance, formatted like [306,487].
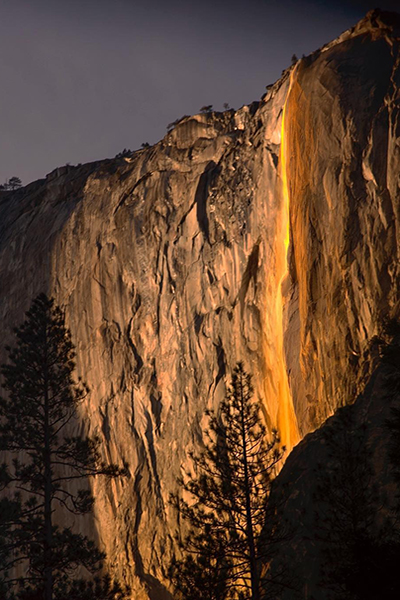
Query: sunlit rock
[343,177]
[172,266]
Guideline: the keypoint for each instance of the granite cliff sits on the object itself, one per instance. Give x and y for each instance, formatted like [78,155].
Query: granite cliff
[268,235]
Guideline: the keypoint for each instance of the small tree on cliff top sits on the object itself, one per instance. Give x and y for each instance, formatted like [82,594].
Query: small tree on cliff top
[230,490]
[39,408]
[14,183]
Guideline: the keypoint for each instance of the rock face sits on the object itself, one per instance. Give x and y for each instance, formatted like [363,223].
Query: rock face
[314,494]
[343,144]
[172,266]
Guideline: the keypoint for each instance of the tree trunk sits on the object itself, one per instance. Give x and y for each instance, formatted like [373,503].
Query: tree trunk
[255,585]
[47,525]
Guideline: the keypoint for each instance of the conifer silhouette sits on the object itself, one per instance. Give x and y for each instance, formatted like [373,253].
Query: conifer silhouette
[36,415]
[230,487]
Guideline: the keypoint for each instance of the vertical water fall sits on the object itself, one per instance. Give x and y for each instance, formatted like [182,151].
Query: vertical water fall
[276,382]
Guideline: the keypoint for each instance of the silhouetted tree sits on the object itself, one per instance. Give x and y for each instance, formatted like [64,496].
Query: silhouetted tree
[36,414]
[13,183]
[230,490]
[203,575]
[10,511]
[98,588]
[206,109]
[126,152]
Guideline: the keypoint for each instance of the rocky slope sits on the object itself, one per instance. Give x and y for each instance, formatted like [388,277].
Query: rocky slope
[171,266]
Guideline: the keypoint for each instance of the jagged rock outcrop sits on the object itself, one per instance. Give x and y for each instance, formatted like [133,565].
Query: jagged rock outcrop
[171,266]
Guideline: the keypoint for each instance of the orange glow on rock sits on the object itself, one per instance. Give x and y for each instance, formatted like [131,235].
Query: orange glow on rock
[287,421]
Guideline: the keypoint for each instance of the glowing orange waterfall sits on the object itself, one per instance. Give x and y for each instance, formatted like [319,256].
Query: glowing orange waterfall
[287,422]
[277,385]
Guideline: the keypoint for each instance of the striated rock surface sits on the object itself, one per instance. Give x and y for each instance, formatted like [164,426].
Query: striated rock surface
[168,266]
[171,266]
[343,145]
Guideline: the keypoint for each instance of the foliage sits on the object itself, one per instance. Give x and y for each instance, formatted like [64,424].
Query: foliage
[10,512]
[14,183]
[203,575]
[126,152]
[230,490]
[37,415]
[206,109]
[99,588]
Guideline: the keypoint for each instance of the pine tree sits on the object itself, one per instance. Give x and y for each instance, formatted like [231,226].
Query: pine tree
[14,183]
[203,575]
[36,415]
[229,488]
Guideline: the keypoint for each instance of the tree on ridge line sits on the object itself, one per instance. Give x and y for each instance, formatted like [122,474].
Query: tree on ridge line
[14,183]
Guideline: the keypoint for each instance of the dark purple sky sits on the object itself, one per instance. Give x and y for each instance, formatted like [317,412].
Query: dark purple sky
[81,80]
